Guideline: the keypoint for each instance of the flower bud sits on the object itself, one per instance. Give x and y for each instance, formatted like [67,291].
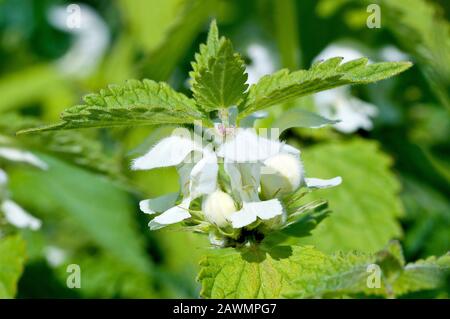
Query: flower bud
[217,207]
[283,175]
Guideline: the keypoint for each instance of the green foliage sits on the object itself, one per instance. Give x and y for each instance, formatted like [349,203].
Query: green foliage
[284,86]
[421,28]
[100,209]
[12,258]
[424,274]
[300,222]
[365,206]
[338,275]
[103,276]
[218,76]
[349,274]
[134,103]
[226,274]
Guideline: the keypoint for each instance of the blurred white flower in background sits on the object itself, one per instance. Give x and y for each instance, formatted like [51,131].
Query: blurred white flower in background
[12,212]
[261,62]
[90,40]
[391,53]
[339,103]
[249,162]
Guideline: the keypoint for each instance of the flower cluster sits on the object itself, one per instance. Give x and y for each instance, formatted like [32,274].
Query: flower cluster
[233,182]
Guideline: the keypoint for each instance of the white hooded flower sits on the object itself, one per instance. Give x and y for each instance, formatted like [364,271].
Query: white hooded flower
[243,153]
[339,103]
[218,207]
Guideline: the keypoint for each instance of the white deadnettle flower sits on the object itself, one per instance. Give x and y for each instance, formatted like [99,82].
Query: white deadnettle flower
[218,207]
[55,256]
[338,103]
[3,177]
[91,39]
[13,213]
[243,153]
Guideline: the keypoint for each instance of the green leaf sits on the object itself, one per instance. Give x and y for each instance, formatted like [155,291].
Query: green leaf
[103,276]
[218,76]
[12,258]
[365,206]
[227,274]
[300,118]
[300,223]
[284,86]
[134,103]
[427,274]
[338,275]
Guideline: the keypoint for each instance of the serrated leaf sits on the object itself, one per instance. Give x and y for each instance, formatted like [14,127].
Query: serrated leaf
[365,206]
[284,86]
[134,103]
[12,257]
[338,275]
[300,118]
[226,274]
[218,76]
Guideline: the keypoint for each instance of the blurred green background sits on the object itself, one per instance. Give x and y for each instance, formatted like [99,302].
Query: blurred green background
[396,173]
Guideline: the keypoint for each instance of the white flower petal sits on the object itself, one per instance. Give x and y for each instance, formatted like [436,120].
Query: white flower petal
[170,151]
[203,177]
[265,210]
[18,217]
[16,155]
[246,146]
[242,218]
[3,177]
[171,216]
[323,183]
[158,204]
